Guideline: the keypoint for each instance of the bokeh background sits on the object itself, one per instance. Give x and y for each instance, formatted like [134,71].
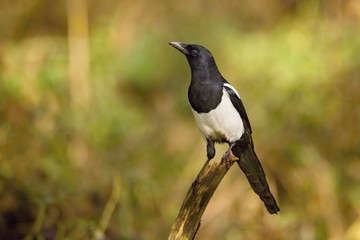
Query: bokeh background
[97,140]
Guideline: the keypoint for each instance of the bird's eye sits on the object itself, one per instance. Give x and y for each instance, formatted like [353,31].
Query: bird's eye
[194,52]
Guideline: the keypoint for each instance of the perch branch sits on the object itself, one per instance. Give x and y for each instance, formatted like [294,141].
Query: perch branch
[188,220]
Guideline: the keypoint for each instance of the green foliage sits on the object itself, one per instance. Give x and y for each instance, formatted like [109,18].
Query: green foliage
[118,166]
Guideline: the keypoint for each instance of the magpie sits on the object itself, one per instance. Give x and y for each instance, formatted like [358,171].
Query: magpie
[221,117]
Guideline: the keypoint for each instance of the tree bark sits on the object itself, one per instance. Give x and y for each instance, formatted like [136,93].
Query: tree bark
[188,220]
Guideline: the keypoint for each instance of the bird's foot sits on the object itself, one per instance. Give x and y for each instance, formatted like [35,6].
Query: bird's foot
[229,156]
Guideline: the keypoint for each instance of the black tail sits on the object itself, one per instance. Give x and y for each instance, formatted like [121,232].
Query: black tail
[251,166]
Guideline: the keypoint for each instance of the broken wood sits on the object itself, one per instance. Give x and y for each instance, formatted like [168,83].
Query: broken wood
[188,220]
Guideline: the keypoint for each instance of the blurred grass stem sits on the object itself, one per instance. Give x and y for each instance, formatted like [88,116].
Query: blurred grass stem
[80,91]
[109,209]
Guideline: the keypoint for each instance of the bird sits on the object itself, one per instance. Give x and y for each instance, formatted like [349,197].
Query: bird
[221,117]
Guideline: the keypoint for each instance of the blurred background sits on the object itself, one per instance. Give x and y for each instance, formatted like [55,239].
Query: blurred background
[97,140]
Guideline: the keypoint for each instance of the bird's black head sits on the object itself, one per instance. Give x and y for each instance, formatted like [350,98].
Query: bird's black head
[198,56]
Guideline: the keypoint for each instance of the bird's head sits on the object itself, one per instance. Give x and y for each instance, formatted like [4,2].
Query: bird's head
[197,55]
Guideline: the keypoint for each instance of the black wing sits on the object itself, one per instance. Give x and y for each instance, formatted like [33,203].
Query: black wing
[239,106]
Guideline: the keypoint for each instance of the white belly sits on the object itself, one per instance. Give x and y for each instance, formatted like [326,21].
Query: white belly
[222,123]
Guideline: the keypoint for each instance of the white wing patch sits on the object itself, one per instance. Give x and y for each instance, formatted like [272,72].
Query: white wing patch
[232,88]
[221,123]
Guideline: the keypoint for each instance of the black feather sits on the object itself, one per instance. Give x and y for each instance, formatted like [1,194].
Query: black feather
[236,101]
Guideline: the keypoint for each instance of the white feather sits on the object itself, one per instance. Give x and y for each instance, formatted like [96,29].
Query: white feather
[221,122]
[232,88]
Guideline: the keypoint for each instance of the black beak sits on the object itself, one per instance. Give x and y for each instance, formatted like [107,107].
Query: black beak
[179,46]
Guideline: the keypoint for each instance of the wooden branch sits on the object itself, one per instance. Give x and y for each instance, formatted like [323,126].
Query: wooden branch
[188,220]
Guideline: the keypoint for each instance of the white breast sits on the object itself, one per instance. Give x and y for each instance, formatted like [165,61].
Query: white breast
[224,122]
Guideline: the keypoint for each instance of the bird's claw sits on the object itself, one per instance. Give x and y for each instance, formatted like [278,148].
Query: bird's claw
[229,156]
